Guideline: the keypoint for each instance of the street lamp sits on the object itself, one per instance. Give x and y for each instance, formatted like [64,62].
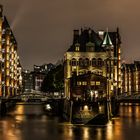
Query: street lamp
[91,94]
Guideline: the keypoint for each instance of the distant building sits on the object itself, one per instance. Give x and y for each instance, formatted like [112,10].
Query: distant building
[96,52]
[10,68]
[45,68]
[131,78]
[39,74]
[27,81]
[32,80]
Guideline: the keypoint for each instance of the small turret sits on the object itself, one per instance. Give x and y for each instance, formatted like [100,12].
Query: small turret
[107,40]
[107,43]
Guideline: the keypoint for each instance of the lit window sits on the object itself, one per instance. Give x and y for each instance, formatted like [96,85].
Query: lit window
[77,48]
[7,72]
[79,83]
[7,64]
[92,83]
[97,83]
[84,83]
[7,49]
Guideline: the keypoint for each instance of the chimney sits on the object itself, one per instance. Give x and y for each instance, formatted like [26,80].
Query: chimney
[76,32]
[1,10]
[76,36]
[101,34]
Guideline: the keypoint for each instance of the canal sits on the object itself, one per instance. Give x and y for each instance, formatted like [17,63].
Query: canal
[29,122]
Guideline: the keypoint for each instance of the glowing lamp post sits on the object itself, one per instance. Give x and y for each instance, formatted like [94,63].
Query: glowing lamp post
[91,94]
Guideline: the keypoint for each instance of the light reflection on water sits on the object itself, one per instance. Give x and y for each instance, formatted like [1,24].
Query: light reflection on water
[28,122]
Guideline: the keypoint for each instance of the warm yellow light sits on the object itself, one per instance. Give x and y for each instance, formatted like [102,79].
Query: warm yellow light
[7,72]
[119,50]
[92,83]
[77,48]
[84,83]
[85,108]
[97,83]
[86,133]
[79,83]
[7,82]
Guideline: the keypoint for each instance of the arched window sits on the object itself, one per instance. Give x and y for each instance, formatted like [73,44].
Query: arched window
[86,62]
[94,62]
[100,62]
[80,62]
[73,62]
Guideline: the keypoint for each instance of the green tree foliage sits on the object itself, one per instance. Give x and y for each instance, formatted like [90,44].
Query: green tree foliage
[54,81]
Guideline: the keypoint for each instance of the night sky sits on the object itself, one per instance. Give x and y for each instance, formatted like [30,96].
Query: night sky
[44,28]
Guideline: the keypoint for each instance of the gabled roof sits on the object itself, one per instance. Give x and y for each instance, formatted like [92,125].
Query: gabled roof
[88,36]
[7,28]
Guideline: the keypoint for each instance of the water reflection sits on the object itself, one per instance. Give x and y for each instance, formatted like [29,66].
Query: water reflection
[86,133]
[28,122]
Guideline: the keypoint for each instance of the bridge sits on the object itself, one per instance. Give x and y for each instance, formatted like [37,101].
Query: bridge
[26,97]
[125,98]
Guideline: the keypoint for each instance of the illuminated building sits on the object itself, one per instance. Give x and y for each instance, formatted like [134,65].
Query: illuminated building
[32,80]
[10,68]
[39,74]
[97,53]
[131,78]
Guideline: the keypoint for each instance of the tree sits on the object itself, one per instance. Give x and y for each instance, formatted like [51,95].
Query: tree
[54,81]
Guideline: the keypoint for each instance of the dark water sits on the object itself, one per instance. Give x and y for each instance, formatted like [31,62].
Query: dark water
[29,122]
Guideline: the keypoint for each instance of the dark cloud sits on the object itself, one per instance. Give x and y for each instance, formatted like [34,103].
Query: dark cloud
[43,28]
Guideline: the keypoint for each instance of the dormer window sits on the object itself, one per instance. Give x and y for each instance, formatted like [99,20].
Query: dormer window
[90,47]
[77,47]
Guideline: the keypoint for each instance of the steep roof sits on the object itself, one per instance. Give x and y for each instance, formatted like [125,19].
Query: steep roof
[87,38]
[107,40]
[7,28]
[84,38]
